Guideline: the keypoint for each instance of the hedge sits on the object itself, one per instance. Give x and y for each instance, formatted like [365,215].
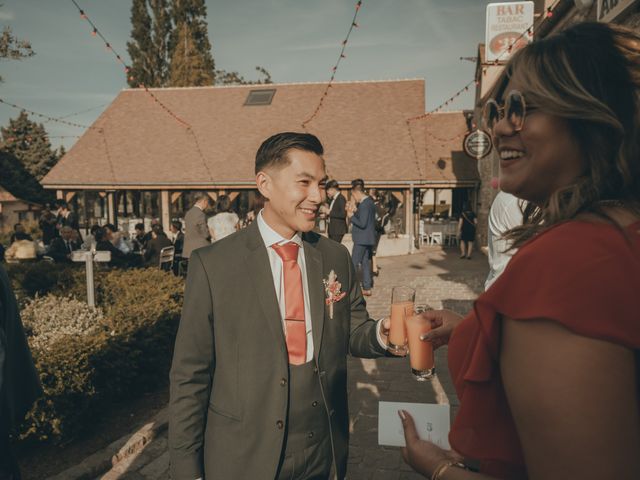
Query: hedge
[88,358]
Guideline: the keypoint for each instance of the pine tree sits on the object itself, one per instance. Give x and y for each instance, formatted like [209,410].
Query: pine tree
[27,141]
[149,45]
[191,60]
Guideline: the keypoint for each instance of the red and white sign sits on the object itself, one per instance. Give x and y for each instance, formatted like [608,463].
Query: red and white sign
[507,25]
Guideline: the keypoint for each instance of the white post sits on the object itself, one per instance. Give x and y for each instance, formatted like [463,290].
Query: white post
[88,257]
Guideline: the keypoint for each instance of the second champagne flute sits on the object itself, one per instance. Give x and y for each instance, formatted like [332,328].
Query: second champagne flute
[402,300]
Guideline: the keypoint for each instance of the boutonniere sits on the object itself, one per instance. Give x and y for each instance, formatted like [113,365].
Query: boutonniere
[333,291]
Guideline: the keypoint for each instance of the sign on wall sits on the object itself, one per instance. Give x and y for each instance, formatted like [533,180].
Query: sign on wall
[507,25]
[477,144]
[609,10]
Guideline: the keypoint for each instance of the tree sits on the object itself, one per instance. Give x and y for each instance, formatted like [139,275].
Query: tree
[191,60]
[234,78]
[149,48]
[27,141]
[18,181]
[12,48]
[170,47]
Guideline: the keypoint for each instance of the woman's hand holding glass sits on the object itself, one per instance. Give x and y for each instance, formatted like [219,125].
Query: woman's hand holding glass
[442,324]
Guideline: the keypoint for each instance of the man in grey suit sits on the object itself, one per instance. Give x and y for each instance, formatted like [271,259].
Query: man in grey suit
[259,374]
[196,233]
[363,232]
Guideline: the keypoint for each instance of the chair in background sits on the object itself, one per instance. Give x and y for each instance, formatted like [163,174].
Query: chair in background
[166,258]
[435,238]
[451,234]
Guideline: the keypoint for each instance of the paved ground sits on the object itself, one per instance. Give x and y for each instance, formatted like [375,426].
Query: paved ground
[441,280]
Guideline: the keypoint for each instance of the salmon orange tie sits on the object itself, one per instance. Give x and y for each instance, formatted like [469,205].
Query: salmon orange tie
[296,336]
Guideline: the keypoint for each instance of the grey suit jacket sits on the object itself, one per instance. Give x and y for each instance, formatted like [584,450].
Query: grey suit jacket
[196,233]
[229,378]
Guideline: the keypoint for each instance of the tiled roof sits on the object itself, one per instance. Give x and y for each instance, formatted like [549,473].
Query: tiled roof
[362,126]
[445,159]
[6,196]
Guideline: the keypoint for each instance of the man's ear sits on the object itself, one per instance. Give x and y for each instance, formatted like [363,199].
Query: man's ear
[263,182]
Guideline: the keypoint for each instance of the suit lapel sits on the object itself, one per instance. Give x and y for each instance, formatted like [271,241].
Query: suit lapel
[259,271]
[314,265]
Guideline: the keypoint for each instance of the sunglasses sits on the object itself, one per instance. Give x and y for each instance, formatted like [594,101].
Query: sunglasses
[514,109]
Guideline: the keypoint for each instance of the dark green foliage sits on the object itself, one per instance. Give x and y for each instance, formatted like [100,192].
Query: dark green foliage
[40,278]
[17,180]
[128,352]
[27,142]
[149,45]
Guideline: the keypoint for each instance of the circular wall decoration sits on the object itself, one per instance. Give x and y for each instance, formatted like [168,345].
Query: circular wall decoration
[441,164]
[477,144]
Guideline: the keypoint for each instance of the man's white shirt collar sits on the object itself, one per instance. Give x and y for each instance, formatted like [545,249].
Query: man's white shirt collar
[271,237]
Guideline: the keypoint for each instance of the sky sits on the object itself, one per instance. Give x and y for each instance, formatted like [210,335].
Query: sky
[295,40]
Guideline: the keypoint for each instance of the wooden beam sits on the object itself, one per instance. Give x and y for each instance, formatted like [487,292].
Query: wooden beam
[164,210]
[232,196]
[175,196]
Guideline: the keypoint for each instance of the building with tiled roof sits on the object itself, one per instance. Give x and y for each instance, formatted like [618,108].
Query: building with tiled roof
[146,150]
[14,210]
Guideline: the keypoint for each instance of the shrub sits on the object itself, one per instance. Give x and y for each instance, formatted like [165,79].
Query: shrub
[40,278]
[89,358]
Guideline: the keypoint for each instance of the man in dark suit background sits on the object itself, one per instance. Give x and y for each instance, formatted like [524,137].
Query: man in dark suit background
[159,240]
[363,232]
[62,246]
[336,212]
[259,374]
[196,232]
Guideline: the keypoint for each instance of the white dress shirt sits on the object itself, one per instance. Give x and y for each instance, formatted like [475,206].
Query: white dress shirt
[271,237]
[505,214]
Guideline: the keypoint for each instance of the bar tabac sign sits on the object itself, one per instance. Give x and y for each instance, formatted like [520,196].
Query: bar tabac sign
[508,24]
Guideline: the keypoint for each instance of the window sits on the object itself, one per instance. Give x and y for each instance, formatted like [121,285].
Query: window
[260,97]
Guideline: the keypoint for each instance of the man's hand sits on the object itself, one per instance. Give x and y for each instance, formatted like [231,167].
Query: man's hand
[424,457]
[442,324]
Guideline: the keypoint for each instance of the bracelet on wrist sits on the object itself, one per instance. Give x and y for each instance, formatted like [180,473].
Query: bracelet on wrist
[440,469]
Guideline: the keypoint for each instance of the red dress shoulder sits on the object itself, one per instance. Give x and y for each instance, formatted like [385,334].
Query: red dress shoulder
[583,275]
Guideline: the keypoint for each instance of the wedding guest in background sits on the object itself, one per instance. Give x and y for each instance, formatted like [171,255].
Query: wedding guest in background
[62,246]
[224,222]
[23,248]
[336,212]
[363,224]
[467,230]
[178,237]
[18,229]
[505,214]
[158,241]
[116,237]
[196,233]
[118,258]
[47,223]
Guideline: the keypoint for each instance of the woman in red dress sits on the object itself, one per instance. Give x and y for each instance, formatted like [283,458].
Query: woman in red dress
[546,364]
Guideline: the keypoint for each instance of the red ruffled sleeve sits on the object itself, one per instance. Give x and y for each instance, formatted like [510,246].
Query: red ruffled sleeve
[583,275]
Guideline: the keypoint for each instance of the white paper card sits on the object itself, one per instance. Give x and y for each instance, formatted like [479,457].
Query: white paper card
[432,423]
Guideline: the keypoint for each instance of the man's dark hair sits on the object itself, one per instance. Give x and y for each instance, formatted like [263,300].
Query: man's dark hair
[100,235]
[62,203]
[22,236]
[111,227]
[139,226]
[273,151]
[177,224]
[331,184]
[223,204]
[157,229]
[94,229]
[357,184]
